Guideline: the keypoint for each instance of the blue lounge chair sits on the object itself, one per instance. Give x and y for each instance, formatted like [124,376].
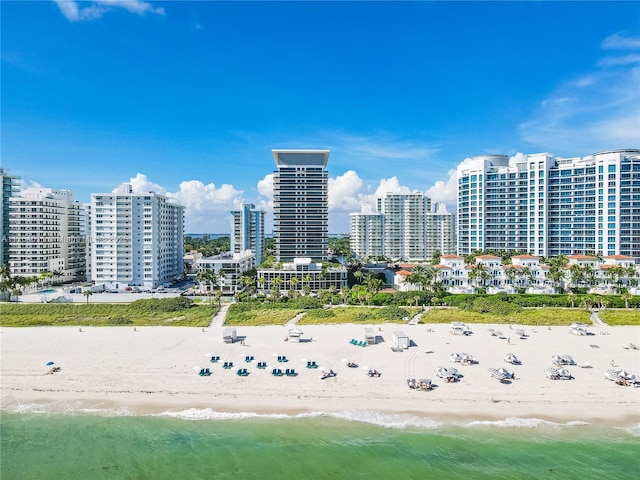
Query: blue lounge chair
[291,373]
[204,372]
[242,372]
[215,359]
[248,359]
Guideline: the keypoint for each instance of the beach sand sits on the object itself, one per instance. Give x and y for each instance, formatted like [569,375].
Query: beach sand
[155,369]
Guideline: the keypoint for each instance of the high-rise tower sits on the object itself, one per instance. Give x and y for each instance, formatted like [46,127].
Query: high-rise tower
[300,191]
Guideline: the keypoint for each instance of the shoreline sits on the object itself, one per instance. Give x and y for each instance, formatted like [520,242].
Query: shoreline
[153,370]
[197,407]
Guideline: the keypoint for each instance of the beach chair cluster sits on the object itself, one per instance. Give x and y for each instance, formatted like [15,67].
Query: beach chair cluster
[214,359]
[289,372]
[358,343]
[422,384]
[227,365]
[249,358]
[262,365]
[312,365]
[282,359]
[242,372]
[204,372]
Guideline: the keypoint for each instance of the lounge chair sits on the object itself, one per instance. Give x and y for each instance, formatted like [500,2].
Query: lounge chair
[276,372]
[214,359]
[248,359]
[227,365]
[242,372]
[205,372]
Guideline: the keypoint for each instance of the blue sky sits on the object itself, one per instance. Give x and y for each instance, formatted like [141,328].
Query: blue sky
[189,98]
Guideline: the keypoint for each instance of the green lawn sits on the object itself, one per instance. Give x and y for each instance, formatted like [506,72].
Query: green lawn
[31,315]
[528,316]
[620,317]
[261,316]
[368,315]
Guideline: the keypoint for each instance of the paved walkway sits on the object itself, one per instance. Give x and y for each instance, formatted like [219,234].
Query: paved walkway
[218,318]
[595,319]
[292,323]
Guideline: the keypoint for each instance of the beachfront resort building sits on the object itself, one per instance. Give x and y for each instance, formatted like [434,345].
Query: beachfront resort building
[10,188]
[527,274]
[548,206]
[302,275]
[300,204]
[247,231]
[227,268]
[137,239]
[45,234]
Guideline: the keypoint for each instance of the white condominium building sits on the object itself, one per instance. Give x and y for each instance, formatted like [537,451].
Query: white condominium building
[550,206]
[248,231]
[405,233]
[366,237]
[137,238]
[300,210]
[45,234]
[441,231]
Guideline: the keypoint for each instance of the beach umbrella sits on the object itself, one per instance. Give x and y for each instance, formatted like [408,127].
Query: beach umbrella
[49,364]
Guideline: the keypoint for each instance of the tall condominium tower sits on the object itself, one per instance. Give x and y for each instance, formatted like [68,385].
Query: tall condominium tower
[441,231]
[137,238]
[366,237]
[248,231]
[550,206]
[405,234]
[9,189]
[300,210]
[44,227]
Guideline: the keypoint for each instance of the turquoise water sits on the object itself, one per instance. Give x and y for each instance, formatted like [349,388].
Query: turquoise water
[83,446]
[47,291]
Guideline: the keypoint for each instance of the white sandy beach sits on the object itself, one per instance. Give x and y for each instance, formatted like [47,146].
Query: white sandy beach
[155,369]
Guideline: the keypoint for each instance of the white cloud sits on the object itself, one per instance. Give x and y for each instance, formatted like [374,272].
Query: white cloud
[343,192]
[445,191]
[621,41]
[597,111]
[96,8]
[207,207]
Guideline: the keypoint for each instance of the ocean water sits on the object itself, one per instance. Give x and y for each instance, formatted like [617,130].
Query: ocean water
[202,444]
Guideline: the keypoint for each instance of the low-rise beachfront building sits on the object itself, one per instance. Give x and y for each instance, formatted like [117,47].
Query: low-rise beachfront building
[191,261]
[300,275]
[227,267]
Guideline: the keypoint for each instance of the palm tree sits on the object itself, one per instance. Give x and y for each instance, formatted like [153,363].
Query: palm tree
[87,294]
[626,297]
[294,282]
[557,271]
[245,281]
[576,273]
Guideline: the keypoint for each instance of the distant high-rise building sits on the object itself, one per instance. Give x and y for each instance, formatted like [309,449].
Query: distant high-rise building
[10,188]
[441,231]
[137,238]
[300,210]
[248,231]
[44,227]
[366,238]
[550,206]
[405,233]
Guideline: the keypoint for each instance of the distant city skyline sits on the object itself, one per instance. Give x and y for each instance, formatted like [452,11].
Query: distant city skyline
[189,98]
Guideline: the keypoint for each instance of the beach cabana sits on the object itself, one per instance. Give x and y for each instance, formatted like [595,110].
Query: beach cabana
[578,329]
[295,334]
[229,335]
[369,336]
[458,328]
[400,339]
